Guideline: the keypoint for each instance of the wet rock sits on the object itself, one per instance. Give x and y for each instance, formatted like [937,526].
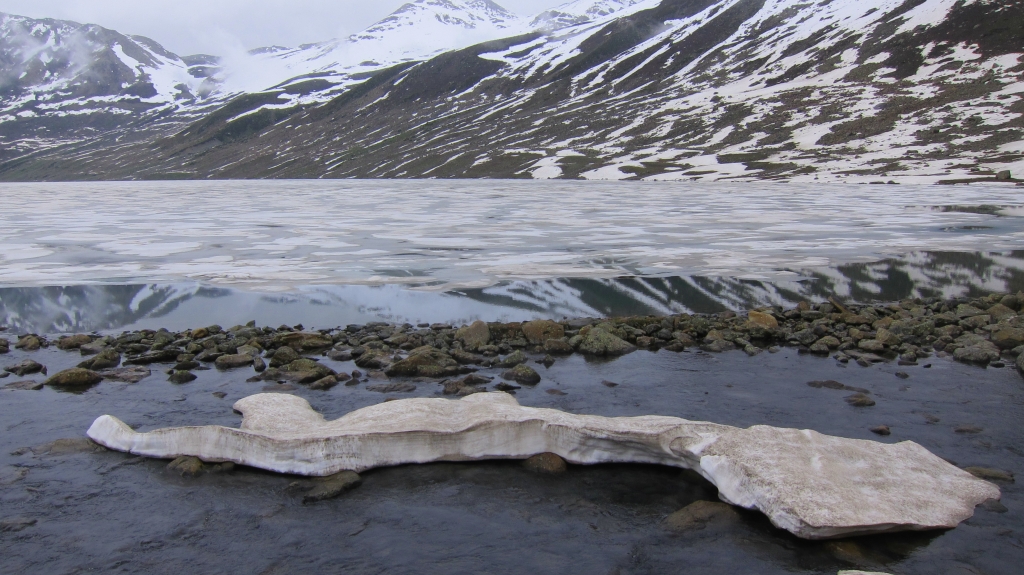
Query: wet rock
[340,354]
[68,446]
[186,466]
[5,346]
[219,394]
[29,343]
[539,331]
[465,386]
[283,356]
[1020,363]
[902,375]
[513,359]
[16,524]
[994,506]
[911,328]
[25,367]
[979,353]
[166,355]
[395,387]
[522,374]
[308,366]
[181,376]
[718,345]
[600,341]
[75,377]
[105,359]
[557,392]
[546,463]
[990,474]
[303,341]
[475,335]
[133,374]
[546,361]
[324,383]
[833,384]
[607,383]
[1008,337]
[558,346]
[805,337]
[71,342]
[25,385]
[1000,312]
[699,515]
[967,429]
[258,364]
[332,486]
[860,400]
[374,359]
[424,361]
[237,360]
[882,430]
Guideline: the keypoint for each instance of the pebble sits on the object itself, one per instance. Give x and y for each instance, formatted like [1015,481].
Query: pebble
[186,466]
[332,486]
[860,400]
[555,392]
[990,474]
[967,429]
[882,430]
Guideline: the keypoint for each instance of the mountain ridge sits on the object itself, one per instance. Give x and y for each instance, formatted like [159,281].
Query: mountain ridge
[834,90]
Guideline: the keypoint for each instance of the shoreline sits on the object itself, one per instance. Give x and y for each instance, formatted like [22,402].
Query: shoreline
[983,331]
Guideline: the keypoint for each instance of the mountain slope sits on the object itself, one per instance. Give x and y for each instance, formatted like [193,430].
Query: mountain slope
[832,90]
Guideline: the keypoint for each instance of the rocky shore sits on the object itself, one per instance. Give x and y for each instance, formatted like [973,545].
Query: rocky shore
[985,331]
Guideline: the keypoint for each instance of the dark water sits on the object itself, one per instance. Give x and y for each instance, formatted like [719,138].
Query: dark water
[183,306]
[111,512]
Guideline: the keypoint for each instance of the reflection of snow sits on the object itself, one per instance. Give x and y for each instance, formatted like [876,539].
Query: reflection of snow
[181,306]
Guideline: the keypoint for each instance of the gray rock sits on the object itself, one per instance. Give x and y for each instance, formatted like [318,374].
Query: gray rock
[522,374]
[539,331]
[600,341]
[132,374]
[513,359]
[105,359]
[70,342]
[234,361]
[395,387]
[324,383]
[16,524]
[557,347]
[474,336]
[332,486]
[283,356]
[181,376]
[186,466]
[75,377]
[26,367]
[701,514]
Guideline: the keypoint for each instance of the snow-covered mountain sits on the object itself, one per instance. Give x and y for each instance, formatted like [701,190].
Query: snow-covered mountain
[826,90]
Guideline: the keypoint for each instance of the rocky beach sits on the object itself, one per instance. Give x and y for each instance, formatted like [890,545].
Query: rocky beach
[940,372]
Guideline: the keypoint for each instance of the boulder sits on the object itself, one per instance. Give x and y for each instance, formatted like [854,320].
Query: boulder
[522,374]
[600,341]
[29,343]
[1008,337]
[284,356]
[181,376]
[332,486]
[237,360]
[980,353]
[558,347]
[133,374]
[105,359]
[762,320]
[76,341]
[75,377]
[374,359]
[425,361]
[809,484]
[701,514]
[474,335]
[302,341]
[26,367]
[541,330]
[546,463]
[186,466]
[513,359]
[324,383]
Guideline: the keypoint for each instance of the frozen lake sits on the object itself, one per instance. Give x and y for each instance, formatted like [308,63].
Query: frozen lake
[441,250]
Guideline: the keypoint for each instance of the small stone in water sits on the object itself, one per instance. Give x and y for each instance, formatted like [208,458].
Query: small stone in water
[186,466]
[967,429]
[546,463]
[989,474]
[555,392]
[607,383]
[219,394]
[902,375]
[860,400]
[881,430]
[332,486]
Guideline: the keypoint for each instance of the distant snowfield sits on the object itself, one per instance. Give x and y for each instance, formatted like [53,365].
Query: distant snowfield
[451,235]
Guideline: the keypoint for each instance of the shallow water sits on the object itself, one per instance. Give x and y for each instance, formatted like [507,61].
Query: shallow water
[114,512]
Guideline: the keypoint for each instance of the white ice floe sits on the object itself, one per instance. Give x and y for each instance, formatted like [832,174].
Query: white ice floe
[813,485]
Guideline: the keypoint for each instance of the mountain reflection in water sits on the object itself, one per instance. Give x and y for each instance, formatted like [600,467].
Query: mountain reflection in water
[181,306]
